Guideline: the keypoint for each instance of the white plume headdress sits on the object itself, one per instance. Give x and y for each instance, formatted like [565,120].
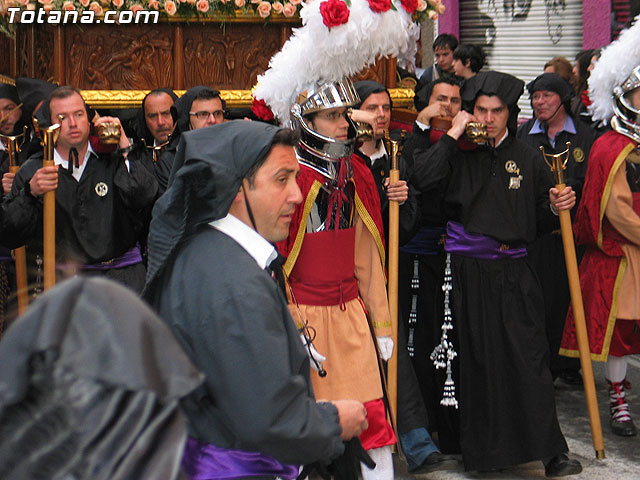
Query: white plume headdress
[611,70]
[316,54]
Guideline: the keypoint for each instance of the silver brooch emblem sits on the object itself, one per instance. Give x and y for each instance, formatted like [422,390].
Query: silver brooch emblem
[101,189]
[514,182]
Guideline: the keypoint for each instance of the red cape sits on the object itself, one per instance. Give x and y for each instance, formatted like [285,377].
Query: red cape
[602,268]
[367,204]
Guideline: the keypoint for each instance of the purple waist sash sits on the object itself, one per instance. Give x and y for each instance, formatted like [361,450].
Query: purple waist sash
[461,242]
[130,257]
[5,255]
[202,461]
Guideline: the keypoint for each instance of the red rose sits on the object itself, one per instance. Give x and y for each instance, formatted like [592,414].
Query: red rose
[409,5]
[261,110]
[334,13]
[379,6]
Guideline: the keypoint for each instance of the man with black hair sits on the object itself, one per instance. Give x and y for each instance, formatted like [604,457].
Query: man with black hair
[467,60]
[232,197]
[552,127]
[496,198]
[98,196]
[443,48]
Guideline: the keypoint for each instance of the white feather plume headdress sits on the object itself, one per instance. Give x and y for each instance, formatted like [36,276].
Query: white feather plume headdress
[316,54]
[612,68]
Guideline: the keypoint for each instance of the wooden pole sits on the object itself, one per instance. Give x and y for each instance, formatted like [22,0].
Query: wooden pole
[20,258]
[557,168]
[13,144]
[49,212]
[394,240]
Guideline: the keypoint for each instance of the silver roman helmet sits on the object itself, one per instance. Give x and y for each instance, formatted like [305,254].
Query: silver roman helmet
[626,118]
[329,95]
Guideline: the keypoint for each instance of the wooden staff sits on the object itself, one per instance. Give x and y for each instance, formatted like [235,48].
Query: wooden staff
[19,254]
[558,165]
[49,210]
[393,147]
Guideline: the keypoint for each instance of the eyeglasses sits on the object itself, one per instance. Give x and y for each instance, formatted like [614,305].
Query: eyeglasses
[204,115]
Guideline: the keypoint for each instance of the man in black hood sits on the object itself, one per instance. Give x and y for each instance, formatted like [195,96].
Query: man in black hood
[496,197]
[210,277]
[10,124]
[552,127]
[154,128]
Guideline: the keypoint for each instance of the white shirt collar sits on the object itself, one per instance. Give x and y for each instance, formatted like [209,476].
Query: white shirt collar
[254,243]
[506,134]
[2,147]
[64,163]
[379,153]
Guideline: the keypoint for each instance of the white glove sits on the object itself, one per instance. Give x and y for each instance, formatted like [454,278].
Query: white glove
[316,358]
[385,345]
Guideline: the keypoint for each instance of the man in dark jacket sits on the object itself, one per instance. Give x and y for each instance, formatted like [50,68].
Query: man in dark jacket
[210,263]
[551,128]
[99,197]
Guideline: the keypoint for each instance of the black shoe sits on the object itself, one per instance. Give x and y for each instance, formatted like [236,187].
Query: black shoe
[436,461]
[624,429]
[570,377]
[562,465]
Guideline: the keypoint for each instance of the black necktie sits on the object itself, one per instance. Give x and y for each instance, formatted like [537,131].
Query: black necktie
[275,269]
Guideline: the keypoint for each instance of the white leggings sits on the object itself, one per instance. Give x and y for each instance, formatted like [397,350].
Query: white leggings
[615,369]
[384,465]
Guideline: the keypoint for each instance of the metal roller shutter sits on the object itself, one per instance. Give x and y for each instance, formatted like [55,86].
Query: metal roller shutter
[520,36]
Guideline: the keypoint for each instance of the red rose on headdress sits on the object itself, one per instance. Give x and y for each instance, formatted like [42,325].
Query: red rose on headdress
[409,5]
[334,13]
[261,110]
[379,6]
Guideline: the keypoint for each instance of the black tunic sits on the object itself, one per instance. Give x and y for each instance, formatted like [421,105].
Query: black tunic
[425,329]
[90,228]
[505,390]
[235,325]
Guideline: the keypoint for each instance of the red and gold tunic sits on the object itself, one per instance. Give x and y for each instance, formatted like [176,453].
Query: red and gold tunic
[608,222]
[335,275]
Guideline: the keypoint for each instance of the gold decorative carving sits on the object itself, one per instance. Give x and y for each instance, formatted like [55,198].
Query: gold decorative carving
[402,97]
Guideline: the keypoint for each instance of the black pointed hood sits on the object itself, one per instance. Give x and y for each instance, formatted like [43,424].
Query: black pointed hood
[208,169]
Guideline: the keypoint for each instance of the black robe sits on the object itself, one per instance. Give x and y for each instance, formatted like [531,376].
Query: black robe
[422,316]
[505,389]
[234,322]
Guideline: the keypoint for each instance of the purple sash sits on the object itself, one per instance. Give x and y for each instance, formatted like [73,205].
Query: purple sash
[202,461]
[5,255]
[130,257]
[461,242]
[426,241]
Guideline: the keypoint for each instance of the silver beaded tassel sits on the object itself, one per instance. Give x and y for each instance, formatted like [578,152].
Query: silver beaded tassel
[413,314]
[444,353]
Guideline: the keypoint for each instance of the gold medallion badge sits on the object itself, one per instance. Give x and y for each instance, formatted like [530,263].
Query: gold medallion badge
[511,166]
[578,155]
